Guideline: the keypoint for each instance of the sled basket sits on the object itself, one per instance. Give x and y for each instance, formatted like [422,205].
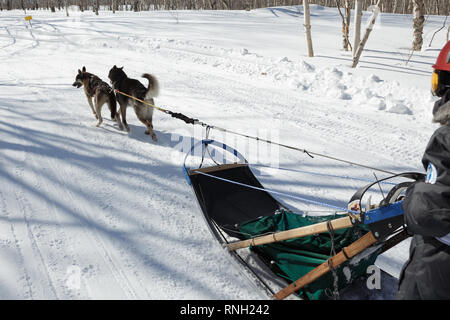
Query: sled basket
[234,210]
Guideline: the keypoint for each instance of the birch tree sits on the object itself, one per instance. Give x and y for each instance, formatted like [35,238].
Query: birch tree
[358,16]
[376,11]
[348,13]
[434,7]
[345,22]
[307,17]
[419,19]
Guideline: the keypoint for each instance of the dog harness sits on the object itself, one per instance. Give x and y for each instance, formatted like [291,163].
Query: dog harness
[95,83]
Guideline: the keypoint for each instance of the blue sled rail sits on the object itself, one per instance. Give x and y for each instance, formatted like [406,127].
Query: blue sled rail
[383,213]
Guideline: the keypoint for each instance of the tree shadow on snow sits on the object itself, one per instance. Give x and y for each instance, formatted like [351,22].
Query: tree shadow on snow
[290,12]
[92,156]
[381,66]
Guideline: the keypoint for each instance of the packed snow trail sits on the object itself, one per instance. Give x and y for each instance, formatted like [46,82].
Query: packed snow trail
[97,213]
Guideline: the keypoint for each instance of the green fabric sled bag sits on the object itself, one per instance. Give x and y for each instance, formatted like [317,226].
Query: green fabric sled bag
[292,259]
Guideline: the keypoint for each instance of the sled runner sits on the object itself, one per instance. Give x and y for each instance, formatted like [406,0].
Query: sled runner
[316,256]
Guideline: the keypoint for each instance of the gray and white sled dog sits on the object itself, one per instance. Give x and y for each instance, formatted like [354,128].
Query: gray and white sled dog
[100,91]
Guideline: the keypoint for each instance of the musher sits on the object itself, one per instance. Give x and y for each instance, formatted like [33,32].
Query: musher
[426,275]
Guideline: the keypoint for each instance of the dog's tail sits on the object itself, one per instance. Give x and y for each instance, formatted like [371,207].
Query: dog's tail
[153,85]
[112,104]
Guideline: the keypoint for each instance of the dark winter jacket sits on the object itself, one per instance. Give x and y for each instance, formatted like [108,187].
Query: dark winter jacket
[427,215]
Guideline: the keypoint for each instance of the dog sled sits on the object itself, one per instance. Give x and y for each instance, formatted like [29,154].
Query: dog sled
[285,253]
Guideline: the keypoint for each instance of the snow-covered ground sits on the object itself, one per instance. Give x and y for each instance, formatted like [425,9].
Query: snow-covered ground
[97,213]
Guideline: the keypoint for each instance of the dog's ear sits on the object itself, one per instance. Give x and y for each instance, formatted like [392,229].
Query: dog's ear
[115,67]
[84,69]
[121,68]
[79,71]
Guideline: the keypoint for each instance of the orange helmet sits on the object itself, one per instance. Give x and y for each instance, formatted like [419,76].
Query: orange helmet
[440,81]
[443,60]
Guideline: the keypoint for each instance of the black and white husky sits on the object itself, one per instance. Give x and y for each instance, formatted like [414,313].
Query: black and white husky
[134,88]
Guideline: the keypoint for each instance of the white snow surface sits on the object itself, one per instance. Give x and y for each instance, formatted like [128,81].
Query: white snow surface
[92,212]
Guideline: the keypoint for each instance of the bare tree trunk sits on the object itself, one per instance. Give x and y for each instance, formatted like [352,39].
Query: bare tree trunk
[345,23]
[136,5]
[226,5]
[406,6]
[394,9]
[67,8]
[358,16]
[307,16]
[419,19]
[348,13]
[441,28]
[369,29]
[22,5]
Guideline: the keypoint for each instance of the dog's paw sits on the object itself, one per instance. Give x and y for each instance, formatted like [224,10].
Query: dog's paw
[154,138]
